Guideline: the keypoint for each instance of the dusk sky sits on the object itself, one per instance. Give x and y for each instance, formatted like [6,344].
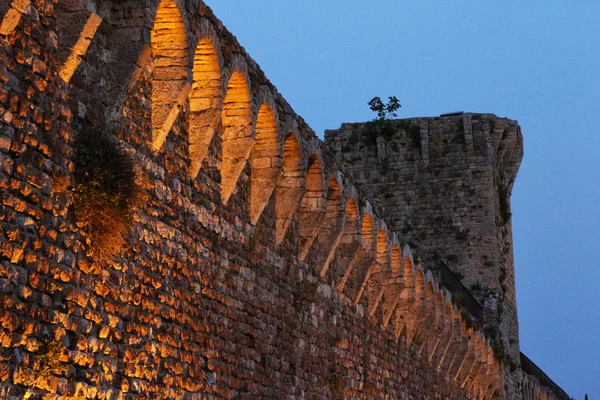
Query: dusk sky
[537,63]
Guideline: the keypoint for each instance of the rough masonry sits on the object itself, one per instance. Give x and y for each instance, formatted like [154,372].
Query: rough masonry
[254,268]
[445,183]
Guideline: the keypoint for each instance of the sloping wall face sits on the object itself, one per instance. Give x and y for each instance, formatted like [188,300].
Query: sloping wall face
[253,268]
[445,184]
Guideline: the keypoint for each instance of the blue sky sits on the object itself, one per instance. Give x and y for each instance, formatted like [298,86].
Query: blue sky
[538,63]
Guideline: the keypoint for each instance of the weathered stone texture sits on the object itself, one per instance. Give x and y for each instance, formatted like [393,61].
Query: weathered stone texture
[223,290]
[445,184]
[438,182]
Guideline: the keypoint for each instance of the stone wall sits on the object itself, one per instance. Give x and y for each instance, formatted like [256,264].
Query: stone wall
[254,268]
[445,184]
[536,385]
[532,389]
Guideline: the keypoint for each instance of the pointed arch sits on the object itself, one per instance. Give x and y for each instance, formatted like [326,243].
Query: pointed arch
[346,243]
[357,272]
[448,313]
[454,363]
[334,199]
[367,263]
[393,288]
[472,360]
[444,325]
[289,187]
[462,324]
[206,102]
[312,206]
[383,255]
[329,232]
[379,273]
[237,139]
[266,161]
[490,355]
[454,347]
[367,231]
[426,334]
[351,210]
[408,277]
[407,299]
[480,347]
[439,308]
[441,334]
[170,57]
[313,198]
[396,260]
[416,311]
[430,295]
[419,287]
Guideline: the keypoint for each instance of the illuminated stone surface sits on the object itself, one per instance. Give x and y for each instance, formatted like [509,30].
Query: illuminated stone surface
[254,269]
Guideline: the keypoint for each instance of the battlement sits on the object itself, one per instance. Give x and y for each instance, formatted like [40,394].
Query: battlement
[484,137]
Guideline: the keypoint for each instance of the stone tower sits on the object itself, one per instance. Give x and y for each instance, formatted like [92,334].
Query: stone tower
[445,184]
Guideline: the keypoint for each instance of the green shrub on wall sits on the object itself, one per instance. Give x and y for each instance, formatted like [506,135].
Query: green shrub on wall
[105,193]
[382,125]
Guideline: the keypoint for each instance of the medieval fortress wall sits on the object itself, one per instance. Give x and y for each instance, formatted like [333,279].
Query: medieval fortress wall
[254,268]
[445,184]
